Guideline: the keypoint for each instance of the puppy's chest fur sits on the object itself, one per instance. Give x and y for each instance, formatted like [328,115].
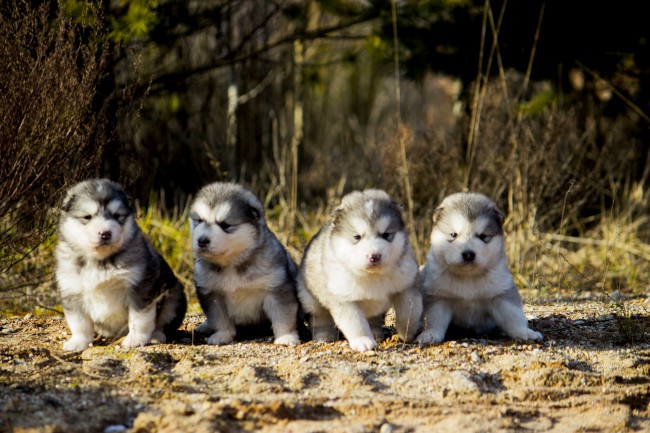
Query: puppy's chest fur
[243,291]
[469,298]
[230,280]
[471,289]
[101,290]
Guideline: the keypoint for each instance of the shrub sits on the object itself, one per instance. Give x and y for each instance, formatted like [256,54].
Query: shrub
[52,130]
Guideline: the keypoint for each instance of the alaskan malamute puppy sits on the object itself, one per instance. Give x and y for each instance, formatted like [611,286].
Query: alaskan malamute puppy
[111,279]
[466,280]
[357,266]
[243,274]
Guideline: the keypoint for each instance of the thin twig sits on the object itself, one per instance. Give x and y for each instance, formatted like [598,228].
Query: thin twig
[68,364]
[482,85]
[607,248]
[599,242]
[529,68]
[617,92]
[400,137]
[566,195]
[589,280]
[473,123]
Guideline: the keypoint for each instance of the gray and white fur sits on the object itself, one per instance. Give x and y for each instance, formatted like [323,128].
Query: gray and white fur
[355,268]
[111,280]
[243,274]
[466,280]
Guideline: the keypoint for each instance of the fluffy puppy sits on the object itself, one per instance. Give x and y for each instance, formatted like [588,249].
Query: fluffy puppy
[355,268]
[243,274]
[111,280]
[466,280]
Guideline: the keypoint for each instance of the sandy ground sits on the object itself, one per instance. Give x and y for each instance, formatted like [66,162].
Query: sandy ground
[588,375]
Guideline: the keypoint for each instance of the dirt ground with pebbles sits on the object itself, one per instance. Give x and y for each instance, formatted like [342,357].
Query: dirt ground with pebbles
[590,374]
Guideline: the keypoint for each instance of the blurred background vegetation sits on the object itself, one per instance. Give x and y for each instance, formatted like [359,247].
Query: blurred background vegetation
[543,105]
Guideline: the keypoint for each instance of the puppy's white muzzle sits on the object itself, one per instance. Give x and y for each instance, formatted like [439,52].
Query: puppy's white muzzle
[104,236]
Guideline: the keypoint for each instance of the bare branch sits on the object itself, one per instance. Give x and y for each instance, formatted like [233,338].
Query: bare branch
[235,56]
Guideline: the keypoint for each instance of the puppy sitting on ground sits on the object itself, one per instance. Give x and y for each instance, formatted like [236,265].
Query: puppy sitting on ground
[111,280]
[243,274]
[357,266]
[466,280]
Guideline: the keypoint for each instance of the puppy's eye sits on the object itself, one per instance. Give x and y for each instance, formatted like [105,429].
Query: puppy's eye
[453,235]
[87,217]
[357,238]
[485,238]
[226,227]
[388,236]
[195,218]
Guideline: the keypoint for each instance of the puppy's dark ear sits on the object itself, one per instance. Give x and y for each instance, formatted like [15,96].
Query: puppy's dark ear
[254,214]
[499,217]
[399,206]
[67,202]
[117,190]
[336,215]
[437,214]
[128,200]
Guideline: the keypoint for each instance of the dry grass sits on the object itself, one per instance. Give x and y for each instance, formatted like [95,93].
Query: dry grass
[169,232]
[613,255]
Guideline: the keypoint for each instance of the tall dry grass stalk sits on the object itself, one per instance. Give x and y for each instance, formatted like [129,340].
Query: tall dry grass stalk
[401,136]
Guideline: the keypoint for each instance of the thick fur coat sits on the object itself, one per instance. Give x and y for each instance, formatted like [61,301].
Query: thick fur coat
[466,280]
[243,274]
[111,280]
[358,266]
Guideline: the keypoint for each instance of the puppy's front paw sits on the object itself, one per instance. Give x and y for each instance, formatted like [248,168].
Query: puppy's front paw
[288,339]
[430,337]
[204,328]
[158,337]
[325,335]
[220,338]
[77,344]
[534,335]
[362,344]
[525,334]
[134,339]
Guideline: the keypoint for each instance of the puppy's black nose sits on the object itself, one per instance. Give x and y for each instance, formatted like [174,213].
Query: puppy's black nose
[468,256]
[105,236]
[203,242]
[374,258]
